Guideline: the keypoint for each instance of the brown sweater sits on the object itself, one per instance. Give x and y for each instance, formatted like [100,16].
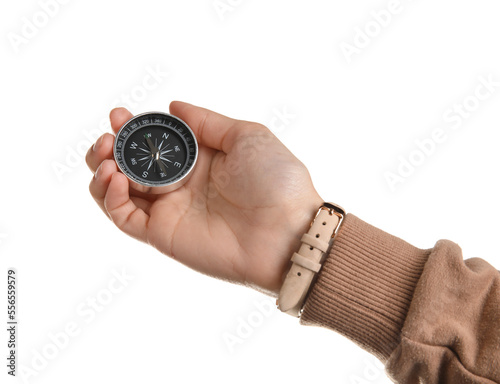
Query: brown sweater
[428,315]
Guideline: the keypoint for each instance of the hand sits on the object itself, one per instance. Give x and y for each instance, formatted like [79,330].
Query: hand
[239,217]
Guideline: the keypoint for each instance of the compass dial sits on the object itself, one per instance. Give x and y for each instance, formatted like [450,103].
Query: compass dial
[157,151]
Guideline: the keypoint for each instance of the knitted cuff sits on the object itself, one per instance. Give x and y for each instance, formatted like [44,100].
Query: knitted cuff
[365,286]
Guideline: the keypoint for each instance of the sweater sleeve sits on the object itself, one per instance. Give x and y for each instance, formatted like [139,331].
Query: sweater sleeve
[428,315]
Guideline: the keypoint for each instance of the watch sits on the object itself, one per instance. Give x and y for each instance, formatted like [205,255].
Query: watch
[307,262]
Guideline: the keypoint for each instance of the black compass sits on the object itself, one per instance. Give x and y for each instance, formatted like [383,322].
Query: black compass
[156,151]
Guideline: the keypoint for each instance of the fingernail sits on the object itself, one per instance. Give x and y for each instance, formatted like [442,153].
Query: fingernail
[98,171]
[97,144]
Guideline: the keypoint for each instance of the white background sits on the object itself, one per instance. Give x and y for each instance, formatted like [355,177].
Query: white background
[354,118]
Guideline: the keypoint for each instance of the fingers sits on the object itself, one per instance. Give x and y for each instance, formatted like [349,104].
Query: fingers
[118,117]
[122,210]
[211,129]
[103,147]
[100,182]
[100,151]
[110,190]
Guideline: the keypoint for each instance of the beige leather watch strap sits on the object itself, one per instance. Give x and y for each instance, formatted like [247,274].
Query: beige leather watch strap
[306,263]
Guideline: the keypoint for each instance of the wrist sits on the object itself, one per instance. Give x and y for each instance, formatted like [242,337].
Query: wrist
[298,225]
[294,220]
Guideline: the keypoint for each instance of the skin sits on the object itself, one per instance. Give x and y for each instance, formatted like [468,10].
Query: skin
[239,217]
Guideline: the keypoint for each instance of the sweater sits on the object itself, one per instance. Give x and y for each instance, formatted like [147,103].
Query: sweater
[429,315]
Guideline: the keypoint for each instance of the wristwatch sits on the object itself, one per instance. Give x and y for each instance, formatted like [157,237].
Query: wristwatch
[307,262]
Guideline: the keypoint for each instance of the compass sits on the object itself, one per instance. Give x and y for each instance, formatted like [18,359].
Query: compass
[156,151]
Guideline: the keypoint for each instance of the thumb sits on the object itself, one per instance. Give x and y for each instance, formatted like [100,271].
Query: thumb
[212,129]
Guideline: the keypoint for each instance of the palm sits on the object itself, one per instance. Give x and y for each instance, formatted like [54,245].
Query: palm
[241,213]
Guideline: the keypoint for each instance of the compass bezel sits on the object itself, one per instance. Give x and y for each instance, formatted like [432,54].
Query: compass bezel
[170,123]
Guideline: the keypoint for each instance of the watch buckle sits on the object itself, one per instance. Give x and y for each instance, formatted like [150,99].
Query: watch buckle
[333,209]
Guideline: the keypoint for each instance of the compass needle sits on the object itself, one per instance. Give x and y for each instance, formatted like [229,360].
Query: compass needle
[162,167]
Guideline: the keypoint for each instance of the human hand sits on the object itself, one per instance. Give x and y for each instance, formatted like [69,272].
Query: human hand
[239,217]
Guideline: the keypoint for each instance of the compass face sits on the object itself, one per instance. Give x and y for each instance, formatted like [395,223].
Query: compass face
[156,150]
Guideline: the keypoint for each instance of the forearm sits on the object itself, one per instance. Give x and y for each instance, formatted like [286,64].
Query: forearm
[426,314]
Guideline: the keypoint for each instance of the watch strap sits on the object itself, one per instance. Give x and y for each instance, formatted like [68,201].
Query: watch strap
[306,263]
